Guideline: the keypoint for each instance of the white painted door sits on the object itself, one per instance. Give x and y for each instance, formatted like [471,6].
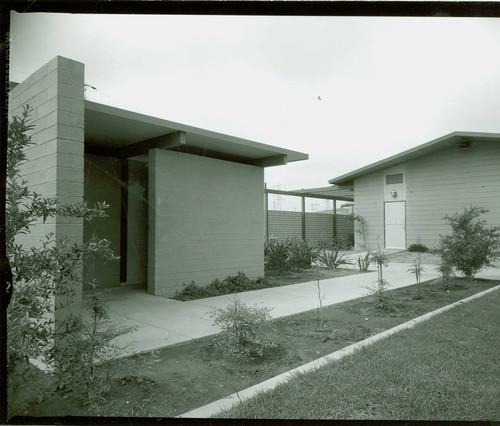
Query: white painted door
[395,225]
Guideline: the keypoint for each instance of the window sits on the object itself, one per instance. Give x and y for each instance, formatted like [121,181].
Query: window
[392,179]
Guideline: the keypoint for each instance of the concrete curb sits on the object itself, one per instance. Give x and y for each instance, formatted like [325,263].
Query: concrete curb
[216,407]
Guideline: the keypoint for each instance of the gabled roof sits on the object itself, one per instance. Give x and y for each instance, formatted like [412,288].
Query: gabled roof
[121,133]
[460,139]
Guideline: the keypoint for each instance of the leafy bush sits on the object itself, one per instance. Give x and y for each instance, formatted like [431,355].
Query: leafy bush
[79,352]
[332,260]
[45,275]
[471,245]
[345,242]
[231,284]
[276,256]
[364,262]
[242,329]
[301,254]
[418,248]
[290,256]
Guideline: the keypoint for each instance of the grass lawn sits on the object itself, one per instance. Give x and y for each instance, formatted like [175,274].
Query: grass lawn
[444,369]
[186,376]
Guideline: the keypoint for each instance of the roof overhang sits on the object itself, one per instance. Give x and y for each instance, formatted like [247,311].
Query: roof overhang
[126,134]
[327,193]
[458,139]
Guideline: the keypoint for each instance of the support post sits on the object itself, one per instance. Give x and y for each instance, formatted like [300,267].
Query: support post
[123,220]
[266,201]
[303,218]
[334,219]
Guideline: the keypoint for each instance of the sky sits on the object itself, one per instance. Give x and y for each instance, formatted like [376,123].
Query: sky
[348,91]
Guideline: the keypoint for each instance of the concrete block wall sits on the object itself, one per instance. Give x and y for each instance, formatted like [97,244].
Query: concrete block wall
[55,92]
[206,220]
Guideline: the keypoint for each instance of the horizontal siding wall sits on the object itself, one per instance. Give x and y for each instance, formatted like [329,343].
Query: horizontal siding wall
[369,204]
[206,220]
[447,182]
[286,225]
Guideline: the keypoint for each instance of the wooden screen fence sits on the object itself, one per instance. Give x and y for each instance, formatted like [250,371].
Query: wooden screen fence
[319,227]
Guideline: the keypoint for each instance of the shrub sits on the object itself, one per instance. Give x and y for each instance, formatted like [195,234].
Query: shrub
[45,274]
[418,248]
[364,262]
[242,329]
[379,288]
[231,284]
[80,351]
[471,245]
[301,254]
[417,269]
[331,259]
[345,242]
[276,256]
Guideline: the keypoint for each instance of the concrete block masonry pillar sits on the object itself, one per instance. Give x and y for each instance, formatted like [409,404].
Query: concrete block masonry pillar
[54,164]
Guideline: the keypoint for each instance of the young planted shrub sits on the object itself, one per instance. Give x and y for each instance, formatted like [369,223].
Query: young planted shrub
[417,269]
[331,259]
[321,297]
[338,243]
[243,329]
[471,245]
[379,288]
[364,262]
[92,343]
[418,248]
[231,284]
[301,254]
[276,256]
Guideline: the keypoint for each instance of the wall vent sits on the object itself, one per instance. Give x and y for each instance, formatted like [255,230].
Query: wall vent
[395,178]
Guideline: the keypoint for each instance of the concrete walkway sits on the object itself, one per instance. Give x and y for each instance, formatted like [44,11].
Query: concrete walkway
[162,322]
